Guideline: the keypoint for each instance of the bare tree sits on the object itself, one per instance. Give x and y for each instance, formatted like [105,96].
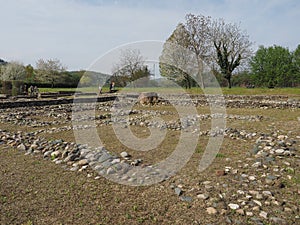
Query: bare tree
[214,43]
[13,71]
[194,36]
[130,67]
[232,47]
[175,57]
[49,70]
[197,28]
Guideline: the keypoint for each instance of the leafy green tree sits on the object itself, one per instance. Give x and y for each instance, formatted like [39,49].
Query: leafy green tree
[72,78]
[243,79]
[273,67]
[2,64]
[296,66]
[29,71]
[296,55]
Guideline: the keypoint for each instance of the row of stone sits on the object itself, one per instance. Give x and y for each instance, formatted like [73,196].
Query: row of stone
[79,157]
[253,188]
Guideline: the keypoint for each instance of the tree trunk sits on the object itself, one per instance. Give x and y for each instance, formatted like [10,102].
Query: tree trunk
[229,82]
[189,83]
[199,74]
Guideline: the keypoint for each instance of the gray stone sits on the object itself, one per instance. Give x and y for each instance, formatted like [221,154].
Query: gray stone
[124,155]
[47,154]
[259,196]
[178,191]
[148,98]
[74,168]
[55,142]
[269,159]
[55,154]
[115,161]
[203,196]
[70,157]
[279,151]
[255,150]
[240,211]
[21,147]
[211,210]
[110,171]
[281,137]
[267,193]
[104,157]
[34,146]
[271,177]
[136,162]
[117,167]
[186,198]
[257,221]
[106,164]
[249,214]
[82,162]
[257,164]
[58,162]
[263,214]
[276,220]
[233,206]
[257,202]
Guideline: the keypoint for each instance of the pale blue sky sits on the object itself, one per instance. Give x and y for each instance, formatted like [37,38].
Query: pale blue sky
[79,31]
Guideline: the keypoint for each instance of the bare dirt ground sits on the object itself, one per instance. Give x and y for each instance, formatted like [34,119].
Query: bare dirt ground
[34,190]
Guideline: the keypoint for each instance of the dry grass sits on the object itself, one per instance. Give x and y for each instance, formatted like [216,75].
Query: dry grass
[36,191]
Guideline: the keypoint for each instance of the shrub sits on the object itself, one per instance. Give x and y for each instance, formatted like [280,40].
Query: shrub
[7,87]
[17,87]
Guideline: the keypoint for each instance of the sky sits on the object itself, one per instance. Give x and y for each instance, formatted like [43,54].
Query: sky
[77,32]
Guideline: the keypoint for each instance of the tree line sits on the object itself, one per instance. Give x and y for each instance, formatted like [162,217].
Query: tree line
[227,50]
[198,43]
[47,73]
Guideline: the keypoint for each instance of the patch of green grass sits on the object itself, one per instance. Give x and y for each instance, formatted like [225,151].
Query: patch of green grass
[296,179]
[194,90]
[261,91]
[3,199]
[141,220]
[135,208]
[199,150]
[83,89]
[36,162]
[220,155]
[99,208]
[29,222]
[290,170]
[53,157]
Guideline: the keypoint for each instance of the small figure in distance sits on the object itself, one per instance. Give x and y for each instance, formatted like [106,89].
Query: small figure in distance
[111,87]
[35,91]
[100,89]
[31,90]
[25,90]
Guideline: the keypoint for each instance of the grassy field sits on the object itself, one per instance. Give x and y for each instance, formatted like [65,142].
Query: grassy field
[36,191]
[226,91]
